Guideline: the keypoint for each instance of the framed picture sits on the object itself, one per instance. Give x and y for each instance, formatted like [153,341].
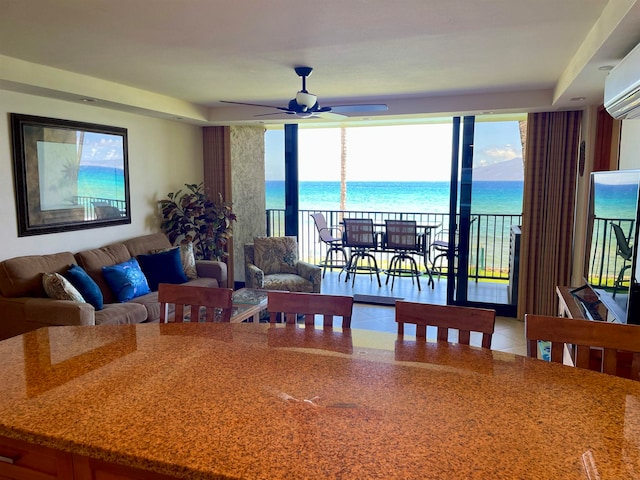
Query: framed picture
[68,175]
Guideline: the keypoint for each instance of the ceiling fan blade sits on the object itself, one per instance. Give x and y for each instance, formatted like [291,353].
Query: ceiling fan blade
[285,112]
[380,107]
[255,105]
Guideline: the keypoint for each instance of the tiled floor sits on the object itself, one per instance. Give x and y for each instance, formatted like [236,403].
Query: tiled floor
[509,332]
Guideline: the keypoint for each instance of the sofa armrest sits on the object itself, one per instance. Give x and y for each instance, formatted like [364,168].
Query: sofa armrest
[213,269]
[254,277]
[310,272]
[59,312]
[21,314]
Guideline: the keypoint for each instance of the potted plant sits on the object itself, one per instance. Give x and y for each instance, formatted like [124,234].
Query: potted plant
[192,217]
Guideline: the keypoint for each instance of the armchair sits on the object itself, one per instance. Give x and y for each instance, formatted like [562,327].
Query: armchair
[272,263]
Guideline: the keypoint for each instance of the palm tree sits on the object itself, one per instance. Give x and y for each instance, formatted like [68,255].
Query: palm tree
[343,168]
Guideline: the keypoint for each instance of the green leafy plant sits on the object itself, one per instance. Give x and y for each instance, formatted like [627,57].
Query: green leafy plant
[192,217]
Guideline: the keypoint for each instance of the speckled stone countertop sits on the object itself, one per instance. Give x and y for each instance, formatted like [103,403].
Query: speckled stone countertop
[203,401]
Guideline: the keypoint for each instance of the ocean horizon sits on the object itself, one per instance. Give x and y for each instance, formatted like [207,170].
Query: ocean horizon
[499,197]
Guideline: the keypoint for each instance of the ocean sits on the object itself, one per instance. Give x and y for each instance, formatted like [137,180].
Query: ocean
[101,182]
[497,197]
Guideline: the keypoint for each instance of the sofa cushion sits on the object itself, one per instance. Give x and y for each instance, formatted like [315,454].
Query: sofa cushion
[22,276]
[287,281]
[187,258]
[126,280]
[85,285]
[146,244]
[163,267]
[60,288]
[93,261]
[272,253]
[121,313]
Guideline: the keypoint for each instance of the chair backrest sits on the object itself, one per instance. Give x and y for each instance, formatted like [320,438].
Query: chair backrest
[104,212]
[358,232]
[291,304]
[323,230]
[463,319]
[597,344]
[624,250]
[401,235]
[216,303]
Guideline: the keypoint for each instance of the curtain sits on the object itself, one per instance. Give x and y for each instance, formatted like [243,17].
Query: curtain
[550,172]
[216,158]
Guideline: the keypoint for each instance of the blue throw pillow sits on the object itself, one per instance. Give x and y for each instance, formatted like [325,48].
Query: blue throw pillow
[163,267]
[89,289]
[126,280]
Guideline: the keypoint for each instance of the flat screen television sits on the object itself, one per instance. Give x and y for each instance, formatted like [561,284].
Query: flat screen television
[611,269]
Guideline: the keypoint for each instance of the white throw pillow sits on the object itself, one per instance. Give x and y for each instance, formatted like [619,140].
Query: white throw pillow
[60,288]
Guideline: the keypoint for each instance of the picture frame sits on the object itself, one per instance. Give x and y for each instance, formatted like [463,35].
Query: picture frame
[69,175]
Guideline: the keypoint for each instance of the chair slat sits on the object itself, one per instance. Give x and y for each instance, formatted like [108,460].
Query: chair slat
[195,297]
[293,304]
[591,339]
[463,319]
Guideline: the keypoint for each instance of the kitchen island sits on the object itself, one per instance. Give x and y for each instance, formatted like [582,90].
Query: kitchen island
[250,401]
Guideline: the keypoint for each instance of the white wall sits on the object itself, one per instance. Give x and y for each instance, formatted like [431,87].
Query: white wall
[630,145]
[163,156]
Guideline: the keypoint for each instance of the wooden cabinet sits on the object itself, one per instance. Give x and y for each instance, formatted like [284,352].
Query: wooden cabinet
[25,461]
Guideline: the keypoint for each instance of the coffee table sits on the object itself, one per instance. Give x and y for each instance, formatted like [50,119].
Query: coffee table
[248,303]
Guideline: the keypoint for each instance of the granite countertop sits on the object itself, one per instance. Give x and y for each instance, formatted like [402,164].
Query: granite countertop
[203,401]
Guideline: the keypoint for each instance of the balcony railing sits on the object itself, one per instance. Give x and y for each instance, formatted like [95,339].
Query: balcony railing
[89,204]
[489,236]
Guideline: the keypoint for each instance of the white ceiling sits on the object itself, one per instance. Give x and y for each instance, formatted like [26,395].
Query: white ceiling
[179,58]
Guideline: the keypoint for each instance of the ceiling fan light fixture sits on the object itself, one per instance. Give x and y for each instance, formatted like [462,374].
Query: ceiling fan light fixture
[306,100]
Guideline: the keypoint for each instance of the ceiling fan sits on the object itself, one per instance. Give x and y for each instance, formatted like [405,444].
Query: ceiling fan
[305,104]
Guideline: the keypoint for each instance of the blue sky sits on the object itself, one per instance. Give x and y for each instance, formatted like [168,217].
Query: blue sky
[389,153]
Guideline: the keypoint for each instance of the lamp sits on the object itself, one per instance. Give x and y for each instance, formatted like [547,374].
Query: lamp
[306,100]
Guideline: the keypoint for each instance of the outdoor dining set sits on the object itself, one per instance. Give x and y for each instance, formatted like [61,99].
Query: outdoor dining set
[351,247]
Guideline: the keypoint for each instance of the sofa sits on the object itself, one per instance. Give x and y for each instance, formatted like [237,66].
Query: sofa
[272,263]
[25,305]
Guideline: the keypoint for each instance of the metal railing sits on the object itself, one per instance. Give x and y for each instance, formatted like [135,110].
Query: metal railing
[489,236]
[89,204]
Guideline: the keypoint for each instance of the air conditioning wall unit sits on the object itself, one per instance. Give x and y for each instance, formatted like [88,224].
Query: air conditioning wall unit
[622,87]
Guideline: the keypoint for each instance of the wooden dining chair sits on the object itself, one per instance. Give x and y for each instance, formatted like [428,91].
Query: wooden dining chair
[463,319]
[216,303]
[292,304]
[612,348]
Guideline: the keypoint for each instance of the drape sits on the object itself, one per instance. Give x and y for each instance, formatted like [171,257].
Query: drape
[550,172]
[216,158]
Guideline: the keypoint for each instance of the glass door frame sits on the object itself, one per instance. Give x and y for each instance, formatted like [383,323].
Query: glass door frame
[460,222]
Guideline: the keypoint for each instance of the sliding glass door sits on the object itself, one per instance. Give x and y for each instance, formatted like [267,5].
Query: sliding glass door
[487,176]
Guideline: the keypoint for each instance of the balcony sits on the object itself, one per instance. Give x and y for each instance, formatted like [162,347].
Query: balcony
[489,254]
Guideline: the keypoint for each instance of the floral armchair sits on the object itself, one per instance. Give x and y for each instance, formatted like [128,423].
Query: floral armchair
[272,263]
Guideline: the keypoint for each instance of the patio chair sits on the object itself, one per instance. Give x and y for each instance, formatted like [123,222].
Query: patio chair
[625,251]
[204,303]
[401,236]
[360,237]
[440,248]
[445,317]
[606,347]
[336,256]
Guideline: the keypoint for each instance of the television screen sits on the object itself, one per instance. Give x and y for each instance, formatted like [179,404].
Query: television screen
[612,234]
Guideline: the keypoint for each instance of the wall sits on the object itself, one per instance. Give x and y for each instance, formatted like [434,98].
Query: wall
[248,188]
[630,145]
[163,156]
